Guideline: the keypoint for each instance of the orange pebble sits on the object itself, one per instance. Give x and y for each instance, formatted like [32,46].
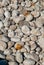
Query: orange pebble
[18,46]
[26,13]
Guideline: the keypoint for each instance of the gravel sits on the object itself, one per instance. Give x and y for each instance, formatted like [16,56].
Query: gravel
[22,32]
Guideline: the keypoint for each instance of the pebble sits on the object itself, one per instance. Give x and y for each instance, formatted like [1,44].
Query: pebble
[15,39]
[19,45]
[14,13]
[1,24]
[2,56]
[2,45]
[25,30]
[28,4]
[19,32]
[16,19]
[27,55]
[41,43]
[34,1]
[35,14]
[7,14]
[39,22]
[3,38]
[36,32]
[10,44]
[23,50]
[1,13]
[10,33]
[27,48]
[10,58]
[26,13]
[35,57]
[19,57]
[14,5]
[13,50]
[7,51]
[12,27]
[38,49]
[5,2]
[25,39]
[31,56]
[23,4]
[29,62]
[29,17]
[33,38]
[33,46]
[12,63]
[5,22]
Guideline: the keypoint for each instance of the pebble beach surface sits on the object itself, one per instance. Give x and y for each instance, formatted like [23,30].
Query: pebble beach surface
[22,32]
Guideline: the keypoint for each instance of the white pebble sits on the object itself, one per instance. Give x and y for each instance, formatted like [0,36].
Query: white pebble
[22,3]
[33,38]
[27,47]
[35,14]
[15,39]
[36,32]
[12,63]
[41,43]
[19,57]
[2,45]
[25,39]
[39,22]
[14,13]
[33,56]
[29,17]
[10,44]
[10,33]
[3,38]
[23,50]
[2,56]
[25,30]
[5,2]
[7,14]
[28,4]
[6,23]
[7,52]
[29,62]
